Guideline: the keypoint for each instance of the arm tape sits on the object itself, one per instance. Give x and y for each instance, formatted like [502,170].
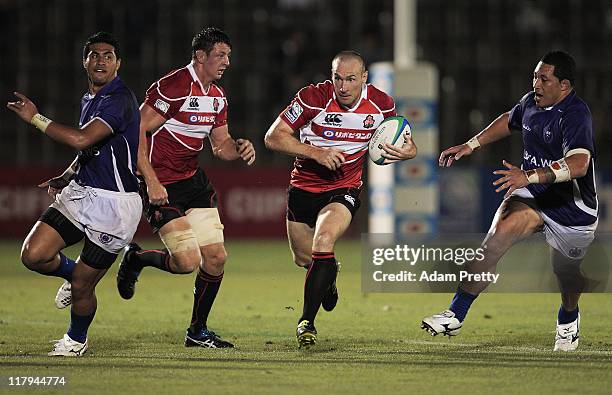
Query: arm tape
[473,143]
[561,170]
[41,122]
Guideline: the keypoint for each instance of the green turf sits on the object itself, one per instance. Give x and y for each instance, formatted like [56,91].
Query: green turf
[370,344]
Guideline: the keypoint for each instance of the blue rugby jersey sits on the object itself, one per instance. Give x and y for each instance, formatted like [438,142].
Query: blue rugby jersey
[548,134]
[111,162]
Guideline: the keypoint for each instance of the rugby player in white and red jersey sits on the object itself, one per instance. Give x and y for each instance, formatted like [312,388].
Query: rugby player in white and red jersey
[180,111]
[335,121]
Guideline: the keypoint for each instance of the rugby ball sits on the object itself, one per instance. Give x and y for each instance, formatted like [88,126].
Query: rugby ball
[390,131]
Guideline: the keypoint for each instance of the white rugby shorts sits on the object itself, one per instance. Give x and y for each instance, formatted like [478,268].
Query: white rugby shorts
[571,241]
[108,218]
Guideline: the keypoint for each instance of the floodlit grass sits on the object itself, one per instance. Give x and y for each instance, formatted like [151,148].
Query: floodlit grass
[371,343]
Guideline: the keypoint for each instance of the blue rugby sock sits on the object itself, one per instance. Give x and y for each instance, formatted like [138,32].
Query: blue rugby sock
[65,268]
[565,317]
[461,303]
[79,325]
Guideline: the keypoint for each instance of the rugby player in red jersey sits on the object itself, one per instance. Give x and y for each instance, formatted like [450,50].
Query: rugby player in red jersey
[334,121]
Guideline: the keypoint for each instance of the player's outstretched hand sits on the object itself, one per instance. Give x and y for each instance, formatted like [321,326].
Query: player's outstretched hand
[246,150]
[330,158]
[449,155]
[55,185]
[394,154]
[512,179]
[158,195]
[23,107]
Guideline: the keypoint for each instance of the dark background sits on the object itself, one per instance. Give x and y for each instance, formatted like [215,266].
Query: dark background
[485,52]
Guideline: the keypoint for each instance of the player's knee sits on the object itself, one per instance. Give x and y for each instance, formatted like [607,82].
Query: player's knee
[324,241]
[215,259]
[302,260]
[81,289]
[33,256]
[183,247]
[505,234]
[567,269]
[186,261]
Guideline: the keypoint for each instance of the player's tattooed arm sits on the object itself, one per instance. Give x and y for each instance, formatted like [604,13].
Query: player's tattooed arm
[548,175]
[544,175]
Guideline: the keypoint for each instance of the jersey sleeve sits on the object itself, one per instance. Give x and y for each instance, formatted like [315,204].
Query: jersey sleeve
[115,110]
[166,96]
[221,118]
[577,129]
[306,104]
[388,107]
[515,120]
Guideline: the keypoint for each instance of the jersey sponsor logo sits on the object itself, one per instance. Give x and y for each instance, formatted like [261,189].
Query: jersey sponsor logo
[193,102]
[215,104]
[162,105]
[202,118]
[535,161]
[294,112]
[333,119]
[340,134]
[88,153]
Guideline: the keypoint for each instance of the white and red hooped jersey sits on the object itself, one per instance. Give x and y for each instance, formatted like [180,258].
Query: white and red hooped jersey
[191,113]
[322,122]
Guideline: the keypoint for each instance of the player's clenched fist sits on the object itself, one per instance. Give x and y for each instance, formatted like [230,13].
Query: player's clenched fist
[330,158]
[246,150]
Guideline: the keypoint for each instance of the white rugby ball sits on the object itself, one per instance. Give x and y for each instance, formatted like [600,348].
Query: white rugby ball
[390,131]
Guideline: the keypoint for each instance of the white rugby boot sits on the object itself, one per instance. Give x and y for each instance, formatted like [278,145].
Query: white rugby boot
[567,335]
[66,347]
[63,298]
[444,323]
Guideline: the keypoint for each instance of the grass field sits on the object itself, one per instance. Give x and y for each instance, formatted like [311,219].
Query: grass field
[371,343]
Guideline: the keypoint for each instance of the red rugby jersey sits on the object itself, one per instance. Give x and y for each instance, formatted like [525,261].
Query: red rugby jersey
[191,112]
[323,122]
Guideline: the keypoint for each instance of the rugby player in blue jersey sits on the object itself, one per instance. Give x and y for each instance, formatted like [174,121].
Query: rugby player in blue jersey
[552,192]
[97,198]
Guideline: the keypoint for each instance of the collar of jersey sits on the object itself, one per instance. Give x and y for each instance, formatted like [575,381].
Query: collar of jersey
[562,105]
[194,76]
[107,88]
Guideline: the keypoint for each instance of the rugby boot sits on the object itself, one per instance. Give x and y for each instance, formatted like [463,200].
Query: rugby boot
[127,275]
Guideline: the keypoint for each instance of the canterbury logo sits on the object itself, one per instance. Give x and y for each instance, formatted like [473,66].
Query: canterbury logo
[193,102]
[333,118]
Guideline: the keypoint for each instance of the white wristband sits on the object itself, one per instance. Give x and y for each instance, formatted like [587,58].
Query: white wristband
[41,122]
[473,143]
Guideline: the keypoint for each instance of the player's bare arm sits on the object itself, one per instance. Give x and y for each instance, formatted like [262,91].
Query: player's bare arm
[394,154]
[280,137]
[150,121]
[497,130]
[79,139]
[56,184]
[226,148]
[565,169]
